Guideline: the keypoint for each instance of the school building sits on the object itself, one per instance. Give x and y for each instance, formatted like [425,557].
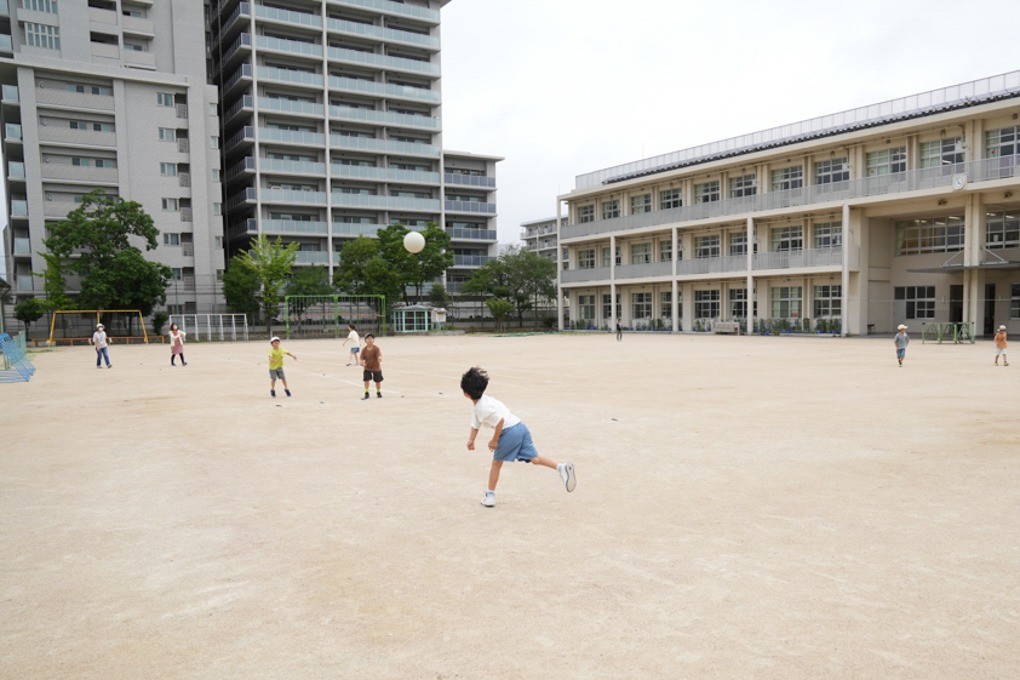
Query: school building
[905,211]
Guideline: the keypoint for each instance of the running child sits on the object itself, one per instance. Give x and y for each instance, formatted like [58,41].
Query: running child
[1000,346]
[901,341]
[276,355]
[371,359]
[355,341]
[511,439]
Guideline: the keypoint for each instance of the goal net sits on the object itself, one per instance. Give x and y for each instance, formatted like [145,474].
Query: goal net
[327,316]
[75,326]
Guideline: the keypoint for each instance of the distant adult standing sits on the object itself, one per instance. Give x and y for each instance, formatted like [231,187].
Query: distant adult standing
[619,330]
[177,344]
[102,345]
[1000,346]
[352,337]
[901,341]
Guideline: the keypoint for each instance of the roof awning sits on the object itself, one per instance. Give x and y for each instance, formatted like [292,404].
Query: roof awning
[992,262]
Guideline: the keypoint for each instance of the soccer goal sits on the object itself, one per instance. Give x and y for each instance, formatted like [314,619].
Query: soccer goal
[327,316]
[221,327]
[74,326]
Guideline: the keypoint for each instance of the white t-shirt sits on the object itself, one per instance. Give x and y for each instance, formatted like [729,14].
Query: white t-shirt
[355,340]
[489,411]
[99,339]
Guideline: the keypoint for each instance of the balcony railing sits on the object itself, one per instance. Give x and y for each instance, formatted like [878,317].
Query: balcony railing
[836,193]
[385,202]
[408,92]
[637,271]
[399,9]
[341,55]
[471,207]
[471,260]
[348,143]
[382,34]
[288,16]
[459,234]
[290,227]
[788,259]
[385,174]
[582,275]
[64,134]
[22,246]
[463,180]
[12,132]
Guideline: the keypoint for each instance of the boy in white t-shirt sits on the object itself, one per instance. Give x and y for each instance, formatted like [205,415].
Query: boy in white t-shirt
[355,341]
[511,439]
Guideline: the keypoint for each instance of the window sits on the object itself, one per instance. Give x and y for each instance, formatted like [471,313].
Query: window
[1002,230]
[787,239]
[937,235]
[217,208]
[167,135]
[105,163]
[738,243]
[610,209]
[171,239]
[1014,301]
[619,256]
[165,99]
[919,300]
[641,253]
[586,307]
[585,213]
[216,177]
[835,170]
[827,301]
[214,142]
[176,273]
[671,198]
[81,88]
[744,185]
[170,204]
[706,304]
[607,307]
[785,179]
[219,274]
[707,192]
[887,161]
[666,250]
[786,302]
[1002,142]
[666,304]
[135,46]
[940,152]
[41,35]
[641,305]
[641,203]
[828,234]
[706,246]
[168,169]
[586,259]
[738,303]
[48,6]
[605,256]
[80,162]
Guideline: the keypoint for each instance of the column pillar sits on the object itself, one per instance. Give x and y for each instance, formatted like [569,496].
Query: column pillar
[844,281]
[750,276]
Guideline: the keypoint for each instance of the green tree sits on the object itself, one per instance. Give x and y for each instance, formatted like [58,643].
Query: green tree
[501,310]
[241,288]
[438,295]
[518,276]
[364,271]
[307,281]
[416,269]
[29,311]
[94,242]
[272,262]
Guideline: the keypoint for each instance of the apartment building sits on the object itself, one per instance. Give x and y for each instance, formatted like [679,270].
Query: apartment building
[905,211]
[332,128]
[539,236]
[112,95]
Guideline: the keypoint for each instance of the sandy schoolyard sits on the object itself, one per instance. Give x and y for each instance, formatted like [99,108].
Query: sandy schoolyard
[746,507]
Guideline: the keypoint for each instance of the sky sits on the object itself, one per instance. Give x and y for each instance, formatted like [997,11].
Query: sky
[560,88]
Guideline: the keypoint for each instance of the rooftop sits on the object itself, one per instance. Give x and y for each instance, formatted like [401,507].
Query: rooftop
[943,99]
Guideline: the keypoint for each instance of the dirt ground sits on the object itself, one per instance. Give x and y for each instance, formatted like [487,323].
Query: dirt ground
[746,507]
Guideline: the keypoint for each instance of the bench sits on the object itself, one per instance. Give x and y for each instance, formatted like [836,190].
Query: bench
[726,327]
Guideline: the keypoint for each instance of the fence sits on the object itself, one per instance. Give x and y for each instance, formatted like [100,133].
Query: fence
[14,365]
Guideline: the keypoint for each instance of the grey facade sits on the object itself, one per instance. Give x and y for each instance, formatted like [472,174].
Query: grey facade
[112,95]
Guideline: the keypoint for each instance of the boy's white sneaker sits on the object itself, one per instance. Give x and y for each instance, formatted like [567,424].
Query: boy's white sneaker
[566,471]
[489,500]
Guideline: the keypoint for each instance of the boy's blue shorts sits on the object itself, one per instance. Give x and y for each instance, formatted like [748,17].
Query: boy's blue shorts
[515,444]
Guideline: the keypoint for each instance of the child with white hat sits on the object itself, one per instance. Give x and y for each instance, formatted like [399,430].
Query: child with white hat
[901,341]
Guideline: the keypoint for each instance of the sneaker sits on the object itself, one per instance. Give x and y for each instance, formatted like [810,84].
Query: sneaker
[489,500]
[365,397]
[183,362]
[109,365]
[287,391]
[378,395]
[566,471]
[272,393]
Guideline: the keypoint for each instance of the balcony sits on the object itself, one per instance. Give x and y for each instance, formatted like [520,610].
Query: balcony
[19,208]
[385,202]
[299,137]
[585,275]
[289,227]
[78,173]
[73,100]
[639,271]
[22,246]
[9,95]
[471,260]
[832,194]
[298,47]
[281,75]
[286,16]
[23,284]
[403,120]
[348,143]
[340,55]
[398,9]
[407,92]
[12,133]
[460,179]
[66,135]
[459,234]
[320,257]
[712,265]
[381,34]
[184,179]
[471,207]
[356,229]
[790,259]
[16,171]
[6,44]
[137,26]
[384,174]
[293,197]
[140,59]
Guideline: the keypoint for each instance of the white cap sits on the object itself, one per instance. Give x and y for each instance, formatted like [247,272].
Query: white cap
[99,325]
[901,327]
[1002,328]
[274,339]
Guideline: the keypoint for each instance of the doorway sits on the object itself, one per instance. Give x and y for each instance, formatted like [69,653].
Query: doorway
[989,309]
[956,304]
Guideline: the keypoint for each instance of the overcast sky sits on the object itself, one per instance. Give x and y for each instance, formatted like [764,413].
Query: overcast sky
[564,87]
